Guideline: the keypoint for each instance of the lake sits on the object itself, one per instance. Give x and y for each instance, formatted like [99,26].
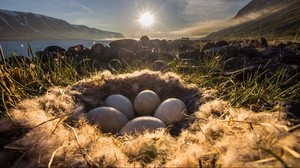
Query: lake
[21,47]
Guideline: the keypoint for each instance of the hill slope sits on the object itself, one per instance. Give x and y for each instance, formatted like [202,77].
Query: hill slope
[276,18]
[23,25]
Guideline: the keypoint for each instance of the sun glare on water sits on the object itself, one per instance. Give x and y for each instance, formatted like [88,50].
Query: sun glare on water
[146,19]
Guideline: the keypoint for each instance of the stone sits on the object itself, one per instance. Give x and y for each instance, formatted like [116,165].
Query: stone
[116,53]
[146,102]
[171,111]
[234,63]
[250,52]
[145,41]
[109,119]
[208,45]
[141,124]
[121,103]
[55,49]
[221,43]
[97,50]
[159,65]
[129,44]
[196,54]
[226,52]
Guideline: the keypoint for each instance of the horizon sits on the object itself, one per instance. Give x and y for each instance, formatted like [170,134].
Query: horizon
[169,18]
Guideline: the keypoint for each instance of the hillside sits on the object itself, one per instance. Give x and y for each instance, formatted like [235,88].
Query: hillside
[23,25]
[276,18]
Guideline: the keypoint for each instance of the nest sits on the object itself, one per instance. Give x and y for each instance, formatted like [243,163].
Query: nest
[56,134]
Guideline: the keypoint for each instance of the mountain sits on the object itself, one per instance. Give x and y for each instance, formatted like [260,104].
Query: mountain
[270,18]
[23,25]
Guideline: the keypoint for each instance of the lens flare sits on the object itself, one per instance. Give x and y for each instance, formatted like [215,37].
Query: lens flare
[146,19]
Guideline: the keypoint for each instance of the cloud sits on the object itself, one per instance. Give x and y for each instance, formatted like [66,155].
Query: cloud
[207,10]
[205,27]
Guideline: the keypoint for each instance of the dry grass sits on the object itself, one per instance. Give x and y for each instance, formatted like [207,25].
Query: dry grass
[56,134]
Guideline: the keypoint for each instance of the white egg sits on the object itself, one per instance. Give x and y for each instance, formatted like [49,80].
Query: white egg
[121,103]
[109,119]
[141,124]
[146,102]
[171,111]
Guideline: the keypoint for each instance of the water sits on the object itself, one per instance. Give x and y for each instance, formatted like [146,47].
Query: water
[21,47]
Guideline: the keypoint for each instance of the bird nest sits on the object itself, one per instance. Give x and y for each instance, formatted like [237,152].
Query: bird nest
[55,133]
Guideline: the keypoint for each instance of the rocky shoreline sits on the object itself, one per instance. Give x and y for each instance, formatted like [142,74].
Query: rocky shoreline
[248,56]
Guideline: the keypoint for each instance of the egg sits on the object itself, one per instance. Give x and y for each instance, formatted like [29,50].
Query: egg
[141,124]
[171,111]
[121,103]
[109,119]
[146,102]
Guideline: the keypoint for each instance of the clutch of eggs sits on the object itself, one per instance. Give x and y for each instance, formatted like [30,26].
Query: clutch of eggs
[119,113]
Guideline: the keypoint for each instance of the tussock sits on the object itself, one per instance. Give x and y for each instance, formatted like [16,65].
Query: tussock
[215,134]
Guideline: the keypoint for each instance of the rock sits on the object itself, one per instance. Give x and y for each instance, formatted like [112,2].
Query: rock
[164,45]
[97,50]
[283,55]
[128,44]
[159,65]
[234,63]
[145,41]
[146,102]
[186,48]
[171,111]
[226,52]
[121,103]
[236,44]
[141,124]
[75,50]
[221,43]
[196,54]
[207,46]
[254,44]
[55,49]
[46,57]
[250,52]
[116,53]
[109,119]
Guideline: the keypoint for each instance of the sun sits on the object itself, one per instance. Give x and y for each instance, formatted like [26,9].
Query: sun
[146,19]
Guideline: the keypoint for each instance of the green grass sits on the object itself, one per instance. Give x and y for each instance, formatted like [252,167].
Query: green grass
[20,81]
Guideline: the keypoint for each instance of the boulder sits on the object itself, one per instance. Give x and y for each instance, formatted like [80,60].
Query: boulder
[250,52]
[128,44]
[97,50]
[208,45]
[159,65]
[55,49]
[116,53]
[195,54]
[234,63]
[145,41]
[221,43]
[226,52]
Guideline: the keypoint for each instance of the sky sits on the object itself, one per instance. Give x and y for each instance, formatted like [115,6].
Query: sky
[171,17]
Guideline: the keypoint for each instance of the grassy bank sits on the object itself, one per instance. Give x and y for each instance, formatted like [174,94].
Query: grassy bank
[223,132]
[21,80]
